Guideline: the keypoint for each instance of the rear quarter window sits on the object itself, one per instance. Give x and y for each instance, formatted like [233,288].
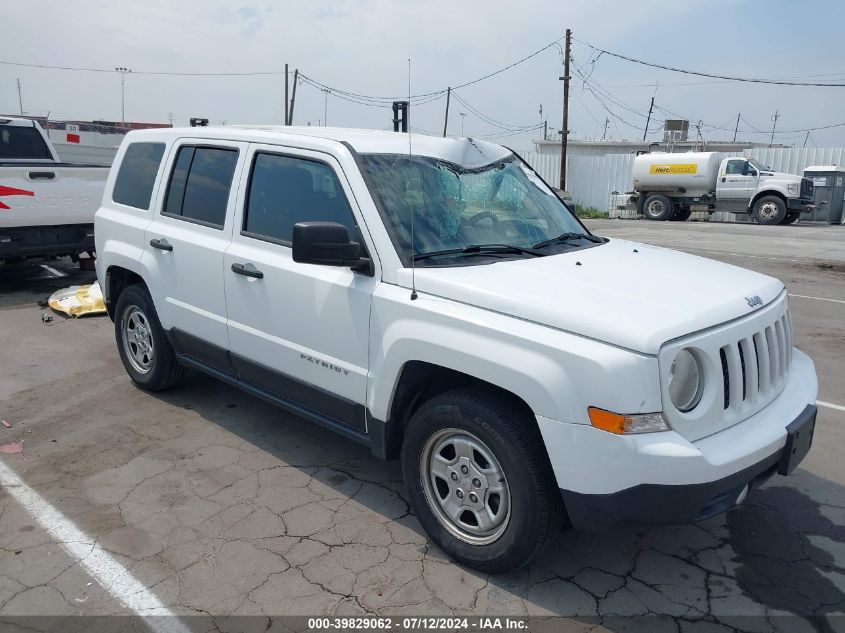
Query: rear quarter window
[20,142]
[137,174]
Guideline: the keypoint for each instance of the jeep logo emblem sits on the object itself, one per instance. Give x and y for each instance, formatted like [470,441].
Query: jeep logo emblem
[754,301]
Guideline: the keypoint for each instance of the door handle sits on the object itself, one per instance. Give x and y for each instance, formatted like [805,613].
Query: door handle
[247,270]
[42,175]
[724,179]
[161,244]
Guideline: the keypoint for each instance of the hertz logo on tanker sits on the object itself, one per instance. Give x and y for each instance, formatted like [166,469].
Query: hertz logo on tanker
[688,168]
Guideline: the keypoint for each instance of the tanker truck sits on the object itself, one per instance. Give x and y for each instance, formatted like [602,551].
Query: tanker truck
[671,186]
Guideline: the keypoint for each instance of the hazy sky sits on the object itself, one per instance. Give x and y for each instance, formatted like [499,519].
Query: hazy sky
[362,46]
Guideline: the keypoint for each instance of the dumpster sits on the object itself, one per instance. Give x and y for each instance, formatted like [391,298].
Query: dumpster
[828,194]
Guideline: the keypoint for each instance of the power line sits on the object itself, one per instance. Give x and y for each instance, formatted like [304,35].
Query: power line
[435,92]
[335,91]
[143,72]
[490,120]
[712,75]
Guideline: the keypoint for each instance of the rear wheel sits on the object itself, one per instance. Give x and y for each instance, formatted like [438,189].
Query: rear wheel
[658,207]
[791,217]
[479,480]
[144,349]
[769,210]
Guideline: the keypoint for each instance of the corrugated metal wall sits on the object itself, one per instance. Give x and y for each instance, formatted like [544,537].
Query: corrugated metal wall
[592,179]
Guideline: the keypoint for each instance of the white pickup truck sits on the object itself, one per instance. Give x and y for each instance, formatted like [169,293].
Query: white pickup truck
[46,206]
[434,300]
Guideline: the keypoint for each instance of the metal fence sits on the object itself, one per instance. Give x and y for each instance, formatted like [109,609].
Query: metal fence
[591,179]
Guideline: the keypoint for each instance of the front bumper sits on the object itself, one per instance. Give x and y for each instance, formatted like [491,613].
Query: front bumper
[655,504]
[799,204]
[665,478]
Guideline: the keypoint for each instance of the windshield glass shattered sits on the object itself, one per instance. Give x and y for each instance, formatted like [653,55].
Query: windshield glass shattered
[502,203]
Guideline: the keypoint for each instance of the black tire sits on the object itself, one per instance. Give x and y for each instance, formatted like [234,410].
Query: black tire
[134,305]
[769,210]
[535,509]
[658,207]
[681,215]
[791,217]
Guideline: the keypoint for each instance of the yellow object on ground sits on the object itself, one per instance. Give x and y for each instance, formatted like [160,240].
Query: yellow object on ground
[78,300]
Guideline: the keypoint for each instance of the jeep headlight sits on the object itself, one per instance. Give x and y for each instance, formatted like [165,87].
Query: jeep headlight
[793,189]
[686,381]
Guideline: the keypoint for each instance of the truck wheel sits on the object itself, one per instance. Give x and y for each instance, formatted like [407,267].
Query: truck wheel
[144,350]
[658,207]
[479,479]
[769,210]
[791,217]
[681,215]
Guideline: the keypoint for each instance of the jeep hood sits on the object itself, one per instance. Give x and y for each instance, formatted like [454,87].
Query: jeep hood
[623,293]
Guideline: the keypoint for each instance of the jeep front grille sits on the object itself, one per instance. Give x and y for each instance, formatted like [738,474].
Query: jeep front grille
[745,365]
[769,354]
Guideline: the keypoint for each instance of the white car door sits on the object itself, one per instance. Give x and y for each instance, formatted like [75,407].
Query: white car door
[738,181]
[299,332]
[184,245]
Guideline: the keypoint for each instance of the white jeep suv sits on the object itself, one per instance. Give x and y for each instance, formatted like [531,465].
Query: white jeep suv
[444,306]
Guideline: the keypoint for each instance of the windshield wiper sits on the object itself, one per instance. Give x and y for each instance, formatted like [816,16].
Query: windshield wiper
[479,249]
[568,237]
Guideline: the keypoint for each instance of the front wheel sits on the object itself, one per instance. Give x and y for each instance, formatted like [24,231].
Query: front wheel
[479,479]
[769,210]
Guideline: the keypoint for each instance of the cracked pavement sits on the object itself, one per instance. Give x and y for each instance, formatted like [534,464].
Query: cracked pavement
[222,505]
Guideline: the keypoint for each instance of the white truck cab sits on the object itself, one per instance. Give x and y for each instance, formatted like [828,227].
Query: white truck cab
[444,306]
[670,186]
[46,206]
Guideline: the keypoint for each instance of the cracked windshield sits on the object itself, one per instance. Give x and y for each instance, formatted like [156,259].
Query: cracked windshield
[503,204]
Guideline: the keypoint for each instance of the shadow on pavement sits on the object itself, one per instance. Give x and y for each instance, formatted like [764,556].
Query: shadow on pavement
[765,554]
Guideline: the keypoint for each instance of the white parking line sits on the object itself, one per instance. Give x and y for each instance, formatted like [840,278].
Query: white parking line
[830,405]
[728,253]
[817,298]
[111,575]
[55,273]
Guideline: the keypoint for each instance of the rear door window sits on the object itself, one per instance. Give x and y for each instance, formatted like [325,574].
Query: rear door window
[21,142]
[137,175]
[200,183]
[284,190]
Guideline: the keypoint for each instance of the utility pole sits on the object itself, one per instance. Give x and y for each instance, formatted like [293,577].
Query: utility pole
[737,126]
[170,118]
[541,120]
[648,120]
[325,105]
[293,96]
[287,103]
[446,118]
[806,138]
[604,134]
[546,130]
[463,118]
[775,118]
[20,99]
[565,129]
[123,70]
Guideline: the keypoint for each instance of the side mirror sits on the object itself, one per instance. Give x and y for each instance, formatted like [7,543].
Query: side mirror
[326,244]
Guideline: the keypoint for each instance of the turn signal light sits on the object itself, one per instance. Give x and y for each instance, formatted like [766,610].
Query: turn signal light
[624,424]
